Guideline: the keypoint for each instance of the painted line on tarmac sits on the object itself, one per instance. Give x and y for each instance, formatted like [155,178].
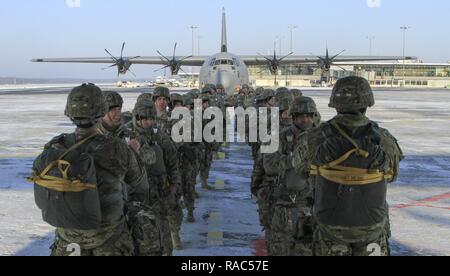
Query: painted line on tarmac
[424,203]
[18,155]
[215,237]
[259,248]
[219,185]
[221,155]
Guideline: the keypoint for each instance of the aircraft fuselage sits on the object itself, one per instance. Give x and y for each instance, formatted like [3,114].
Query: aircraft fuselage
[226,69]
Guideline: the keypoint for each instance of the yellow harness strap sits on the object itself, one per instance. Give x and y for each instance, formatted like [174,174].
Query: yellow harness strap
[63,184]
[347,175]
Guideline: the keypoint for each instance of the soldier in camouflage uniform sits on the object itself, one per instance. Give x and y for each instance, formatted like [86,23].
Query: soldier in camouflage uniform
[189,165]
[283,93]
[220,89]
[161,100]
[176,100]
[264,178]
[164,177]
[114,162]
[292,223]
[242,98]
[187,160]
[207,149]
[266,99]
[285,118]
[143,222]
[354,160]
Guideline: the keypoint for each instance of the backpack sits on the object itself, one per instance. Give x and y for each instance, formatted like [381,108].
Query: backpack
[65,184]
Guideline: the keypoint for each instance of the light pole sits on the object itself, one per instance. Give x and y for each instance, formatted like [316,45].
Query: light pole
[292,28]
[193,28]
[404,28]
[371,39]
[279,39]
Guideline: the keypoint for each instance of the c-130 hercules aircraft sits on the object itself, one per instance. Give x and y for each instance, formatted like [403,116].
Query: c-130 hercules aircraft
[223,68]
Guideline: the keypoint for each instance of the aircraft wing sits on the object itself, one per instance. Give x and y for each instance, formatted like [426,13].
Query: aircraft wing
[155,60]
[348,59]
[309,59]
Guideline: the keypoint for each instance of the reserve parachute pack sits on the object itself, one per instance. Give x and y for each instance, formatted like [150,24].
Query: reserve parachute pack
[65,184]
[345,175]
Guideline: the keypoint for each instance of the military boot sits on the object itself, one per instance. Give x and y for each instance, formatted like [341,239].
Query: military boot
[205,185]
[190,216]
[176,241]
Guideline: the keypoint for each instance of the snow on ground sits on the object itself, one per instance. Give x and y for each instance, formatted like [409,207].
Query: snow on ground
[227,220]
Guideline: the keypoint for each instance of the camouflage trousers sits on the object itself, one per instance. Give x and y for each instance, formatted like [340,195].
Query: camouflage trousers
[174,217]
[351,241]
[146,230]
[188,185]
[161,210]
[265,211]
[205,163]
[255,150]
[292,231]
[166,236]
[118,244]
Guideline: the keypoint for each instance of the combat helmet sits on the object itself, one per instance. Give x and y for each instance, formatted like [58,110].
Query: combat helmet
[351,94]
[244,88]
[282,93]
[207,89]
[296,93]
[259,91]
[161,91]
[303,105]
[194,93]
[174,98]
[212,86]
[205,98]
[266,95]
[86,105]
[285,104]
[144,110]
[188,100]
[145,98]
[113,99]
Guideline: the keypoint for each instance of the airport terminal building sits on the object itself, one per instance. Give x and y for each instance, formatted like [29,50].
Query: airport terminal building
[393,74]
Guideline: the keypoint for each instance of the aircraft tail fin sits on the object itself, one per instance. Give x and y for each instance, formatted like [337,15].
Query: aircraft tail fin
[224,47]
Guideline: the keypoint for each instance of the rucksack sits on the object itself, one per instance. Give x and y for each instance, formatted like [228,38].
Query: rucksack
[65,184]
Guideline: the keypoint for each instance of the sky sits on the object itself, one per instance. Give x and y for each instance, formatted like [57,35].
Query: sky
[59,28]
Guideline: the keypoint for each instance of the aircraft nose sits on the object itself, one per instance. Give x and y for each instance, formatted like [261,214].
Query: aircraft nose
[228,80]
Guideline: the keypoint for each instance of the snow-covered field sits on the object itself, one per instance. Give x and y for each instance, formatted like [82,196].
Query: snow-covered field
[227,222]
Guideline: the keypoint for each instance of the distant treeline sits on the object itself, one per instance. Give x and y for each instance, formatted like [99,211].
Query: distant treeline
[12,80]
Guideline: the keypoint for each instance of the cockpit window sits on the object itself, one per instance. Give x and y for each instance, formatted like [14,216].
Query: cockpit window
[230,62]
[225,62]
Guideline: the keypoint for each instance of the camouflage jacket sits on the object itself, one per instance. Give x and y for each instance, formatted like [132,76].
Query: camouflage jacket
[138,193]
[115,165]
[164,124]
[326,144]
[154,136]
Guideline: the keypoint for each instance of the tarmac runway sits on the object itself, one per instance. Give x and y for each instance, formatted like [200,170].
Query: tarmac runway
[227,221]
